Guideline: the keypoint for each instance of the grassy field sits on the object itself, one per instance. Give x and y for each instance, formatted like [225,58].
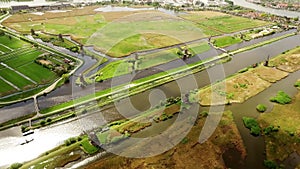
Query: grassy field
[125,66]
[12,42]
[122,33]
[226,41]
[37,73]
[189,152]
[140,32]
[6,88]
[215,23]
[279,145]
[240,87]
[16,79]
[22,70]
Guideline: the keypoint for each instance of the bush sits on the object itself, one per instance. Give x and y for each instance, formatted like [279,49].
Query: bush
[70,141]
[297,84]
[270,164]
[48,120]
[42,122]
[252,124]
[261,108]
[16,166]
[281,98]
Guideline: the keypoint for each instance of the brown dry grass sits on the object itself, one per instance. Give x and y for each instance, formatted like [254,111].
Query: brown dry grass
[289,61]
[208,14]
[269,74]
[50,15]
[240,87]
[279,145]
[189,155]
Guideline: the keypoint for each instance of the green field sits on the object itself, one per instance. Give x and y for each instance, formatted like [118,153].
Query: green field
[5,88]
[125,66]
[122,38]
[15,78]
[12,42]
[37,73]
[216,23]
[23,71]
[121,33]
[226,41]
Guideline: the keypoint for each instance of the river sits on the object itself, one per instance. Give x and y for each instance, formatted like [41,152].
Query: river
[244,3]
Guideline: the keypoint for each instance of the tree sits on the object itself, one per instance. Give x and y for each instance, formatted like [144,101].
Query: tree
[2,33]
[261,108]
[32,32]
[15,166]
[61,37]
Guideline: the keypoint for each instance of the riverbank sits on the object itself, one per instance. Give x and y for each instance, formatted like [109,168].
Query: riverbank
[226,134]
[284,142]
[250,81]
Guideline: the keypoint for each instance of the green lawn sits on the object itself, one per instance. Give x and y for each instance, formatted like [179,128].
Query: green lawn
[37,73]
[198,48]
[226,41]
[15,78]
[157,58]
[80,27]
[5,88]
[22,59]
[215,23]
[116,68]
[13,43]
[4,48]
[122,67]
[88,147]
[128,37]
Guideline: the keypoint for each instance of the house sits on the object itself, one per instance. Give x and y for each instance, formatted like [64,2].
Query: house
[18,8]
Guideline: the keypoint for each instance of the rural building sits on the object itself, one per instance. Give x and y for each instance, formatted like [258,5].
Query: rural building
[18,8]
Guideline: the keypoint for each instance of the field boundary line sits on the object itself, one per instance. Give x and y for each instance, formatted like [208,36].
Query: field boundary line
[8,82]
[7,47]
[24,76]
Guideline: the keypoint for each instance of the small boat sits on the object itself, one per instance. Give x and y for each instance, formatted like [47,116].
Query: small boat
[28,133]
[26,141]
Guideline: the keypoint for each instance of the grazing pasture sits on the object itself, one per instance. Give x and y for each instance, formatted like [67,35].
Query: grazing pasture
[216,23]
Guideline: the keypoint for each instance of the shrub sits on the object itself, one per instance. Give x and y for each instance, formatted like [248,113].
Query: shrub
[261,108]
[184,140]
[16,166]
[204,113]
[48,120]
[297,84]
[270,129]
[252,124]
[70,141]
[42,122]
[255,130]
[270,164]
[281,98]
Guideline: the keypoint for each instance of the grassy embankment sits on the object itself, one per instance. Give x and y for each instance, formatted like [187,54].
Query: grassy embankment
[244,85]
[225,134]
[125,66]
[72,150]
